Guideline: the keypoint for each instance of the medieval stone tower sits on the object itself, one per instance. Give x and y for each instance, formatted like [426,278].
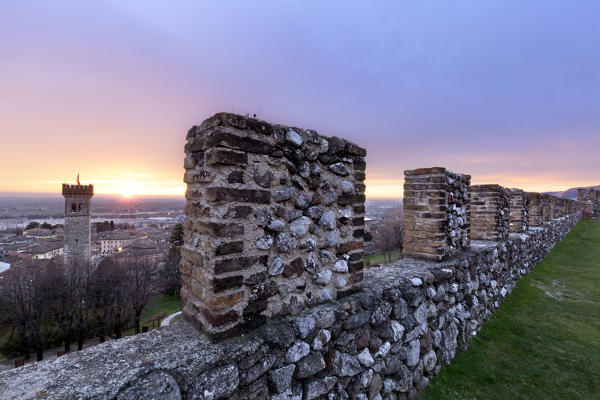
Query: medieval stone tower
[78,199]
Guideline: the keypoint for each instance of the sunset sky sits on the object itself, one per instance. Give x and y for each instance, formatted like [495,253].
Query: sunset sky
[507,91]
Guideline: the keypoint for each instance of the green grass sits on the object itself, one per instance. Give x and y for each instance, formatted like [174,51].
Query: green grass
[544,341]
[158,305]
[380,258]
[166,305]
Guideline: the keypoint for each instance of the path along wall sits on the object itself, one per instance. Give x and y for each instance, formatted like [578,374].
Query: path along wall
[385,342]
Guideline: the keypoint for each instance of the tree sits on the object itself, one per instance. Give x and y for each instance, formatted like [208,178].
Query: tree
[169,274]
[110,293]
[388,236]
[70,305]
[29,298]
[176,238]
[32,225]
[138,290]
[46,295]
[17,290]
[46,225]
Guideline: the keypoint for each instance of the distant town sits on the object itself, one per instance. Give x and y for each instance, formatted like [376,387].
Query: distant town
[32,226]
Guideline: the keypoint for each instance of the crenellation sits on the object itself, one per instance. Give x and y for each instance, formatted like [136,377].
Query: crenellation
[519,213]
[490,212]
[546,207]
[554,207]
[589,201]
[534,207]
[436,213]
[274,221]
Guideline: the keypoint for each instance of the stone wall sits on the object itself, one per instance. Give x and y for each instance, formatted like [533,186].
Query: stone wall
[518,211]
[436,216]
[534,209]
[385,342]
[274,221]
[489,212]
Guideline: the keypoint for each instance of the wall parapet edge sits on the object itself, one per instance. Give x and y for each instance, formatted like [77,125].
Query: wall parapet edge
[394,335]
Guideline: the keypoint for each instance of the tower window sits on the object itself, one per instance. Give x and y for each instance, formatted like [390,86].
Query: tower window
[73,207]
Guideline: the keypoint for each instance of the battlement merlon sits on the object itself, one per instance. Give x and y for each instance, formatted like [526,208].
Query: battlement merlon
[77,190]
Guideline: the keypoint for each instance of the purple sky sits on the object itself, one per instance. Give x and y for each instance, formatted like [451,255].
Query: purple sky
[507,91]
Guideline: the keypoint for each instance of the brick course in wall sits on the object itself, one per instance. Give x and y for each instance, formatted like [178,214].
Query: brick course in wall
[274,221]
[518,211]
[436,213]
[490,213]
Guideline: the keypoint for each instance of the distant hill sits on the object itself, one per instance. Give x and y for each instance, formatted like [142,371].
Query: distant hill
[572,193]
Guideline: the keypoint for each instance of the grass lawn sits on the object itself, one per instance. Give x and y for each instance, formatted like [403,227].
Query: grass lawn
[161,305]
[380,258]
[157,305]
[544,341]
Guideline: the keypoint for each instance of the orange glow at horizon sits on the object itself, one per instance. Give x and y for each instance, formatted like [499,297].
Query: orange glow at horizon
[130,185]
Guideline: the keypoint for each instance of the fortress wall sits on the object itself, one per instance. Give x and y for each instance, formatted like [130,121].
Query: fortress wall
[490,213]
[273,252]
[390,339]
[436,218]
[274,221]
[519,212]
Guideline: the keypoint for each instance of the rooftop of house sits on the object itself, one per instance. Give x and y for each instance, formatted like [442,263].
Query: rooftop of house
[121,235]
[38,232]
[45,247]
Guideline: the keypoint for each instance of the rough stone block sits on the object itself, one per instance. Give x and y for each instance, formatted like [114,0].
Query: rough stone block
[436,213]
[518,211]
[534,207]
[265,204]
[490,213]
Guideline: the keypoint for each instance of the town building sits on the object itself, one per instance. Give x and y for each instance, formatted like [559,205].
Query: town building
[47,250]
[113,242]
